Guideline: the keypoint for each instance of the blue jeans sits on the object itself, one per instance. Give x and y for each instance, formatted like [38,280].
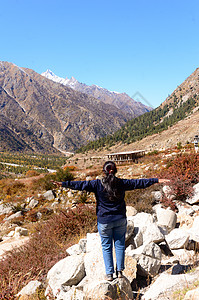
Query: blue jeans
[113,231]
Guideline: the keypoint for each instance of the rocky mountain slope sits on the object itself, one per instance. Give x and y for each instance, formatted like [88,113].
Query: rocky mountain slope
[120,100]
[176,116]
[37,114]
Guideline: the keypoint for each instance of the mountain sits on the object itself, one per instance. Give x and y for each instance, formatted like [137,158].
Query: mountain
[120,100]
[182,107]
[37,114]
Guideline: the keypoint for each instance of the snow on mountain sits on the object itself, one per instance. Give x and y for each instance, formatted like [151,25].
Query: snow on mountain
[120,100]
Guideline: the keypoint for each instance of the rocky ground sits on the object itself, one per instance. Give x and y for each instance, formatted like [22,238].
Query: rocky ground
[161,247]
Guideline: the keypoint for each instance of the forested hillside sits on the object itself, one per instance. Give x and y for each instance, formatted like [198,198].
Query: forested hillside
[147,124]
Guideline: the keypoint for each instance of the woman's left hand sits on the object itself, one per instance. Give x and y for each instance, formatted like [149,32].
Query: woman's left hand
[163,180]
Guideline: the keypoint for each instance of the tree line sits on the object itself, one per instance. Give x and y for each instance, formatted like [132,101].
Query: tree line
[147,124]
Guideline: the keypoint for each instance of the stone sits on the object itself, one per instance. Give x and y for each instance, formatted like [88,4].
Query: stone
[129,229]
[177,239]
[30,288]
[49,195]
[185,221]
[73,294]
[5,209]
[130,211]
[184,256]
[19,231]
[168,192]
[146,230]
[82,245]
[157,195]
[168,283]
[192,295]
[13,216]
[166,218]
[195,198]
[119,288]
[65,273]
[194,230]
[33,203]
[148,258]
[130,270]
[74,249]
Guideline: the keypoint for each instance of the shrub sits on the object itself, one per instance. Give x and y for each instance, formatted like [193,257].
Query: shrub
[183,171]
[46,246]
[45,184]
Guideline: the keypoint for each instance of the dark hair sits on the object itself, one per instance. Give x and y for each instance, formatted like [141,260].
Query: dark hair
[110,181]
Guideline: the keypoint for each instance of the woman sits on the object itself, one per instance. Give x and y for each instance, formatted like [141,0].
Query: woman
[111,211]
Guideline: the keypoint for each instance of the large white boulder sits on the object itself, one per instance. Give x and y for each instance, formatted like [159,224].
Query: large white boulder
[146,230]
[166,283]
[195,198]
[166,218]
[93,260]
[177,239]
[194,230]
[148,258]
[192,295]
[65,273]
[118,289]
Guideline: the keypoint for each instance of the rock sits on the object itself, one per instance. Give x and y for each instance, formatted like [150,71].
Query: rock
[103,290]
[73,250]
[73,294]
[129,229]
[5,209]
[82,245]
[168,192]
[11,233]
[166,283]
[130,268]
[33,203]
[67,272]
[195,198]
[130,211]
[148,258]
[30,288]
[16,215]
[49,195]
[185,221]
[194,230]
[157,195]
[166,218]
[184,256]
[177,239]
[88,178]
[146,230]
[192,295]
[93,261]
[70,194]
[19,231]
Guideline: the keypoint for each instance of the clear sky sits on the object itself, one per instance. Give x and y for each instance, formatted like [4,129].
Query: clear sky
[145,46]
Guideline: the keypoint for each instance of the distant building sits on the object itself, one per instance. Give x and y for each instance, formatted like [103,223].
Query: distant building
[131,156]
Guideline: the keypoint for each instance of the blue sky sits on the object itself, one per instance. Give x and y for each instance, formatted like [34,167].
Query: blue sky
[146,46]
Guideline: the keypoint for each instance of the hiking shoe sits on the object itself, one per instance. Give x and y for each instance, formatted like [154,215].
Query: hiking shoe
[119,274]
[109,277]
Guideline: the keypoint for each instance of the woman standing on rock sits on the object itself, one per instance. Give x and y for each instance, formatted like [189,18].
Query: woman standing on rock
[111,211]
